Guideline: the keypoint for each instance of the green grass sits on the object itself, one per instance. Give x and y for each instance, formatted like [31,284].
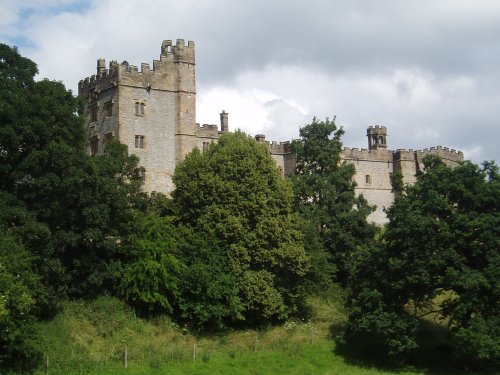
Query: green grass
[91,338]
[313,359]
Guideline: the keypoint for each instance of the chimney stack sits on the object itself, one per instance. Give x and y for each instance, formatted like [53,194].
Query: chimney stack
[224,122]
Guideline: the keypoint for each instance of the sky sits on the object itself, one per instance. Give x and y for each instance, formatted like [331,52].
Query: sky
[428,70]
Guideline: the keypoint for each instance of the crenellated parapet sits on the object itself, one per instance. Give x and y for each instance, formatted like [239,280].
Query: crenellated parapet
[365,154]
[449,156]
[280,147]
[402,154]
[165,74]
[207,131]
[275,148]
[103,80]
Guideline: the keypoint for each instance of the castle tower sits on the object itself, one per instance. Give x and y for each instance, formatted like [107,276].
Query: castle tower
[152,111]
[377,137]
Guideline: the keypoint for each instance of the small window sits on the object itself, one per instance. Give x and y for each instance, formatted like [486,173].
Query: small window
[108,109]
[139,108]
[139,141]
[94,145]
[368,179]
[205,146]
[93,113]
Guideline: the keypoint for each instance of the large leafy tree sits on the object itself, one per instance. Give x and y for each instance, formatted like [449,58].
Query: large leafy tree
[442,240]
[325,196]
[84,202]
[233,192]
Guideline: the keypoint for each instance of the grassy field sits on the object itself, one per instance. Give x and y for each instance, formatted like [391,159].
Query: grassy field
[92,338]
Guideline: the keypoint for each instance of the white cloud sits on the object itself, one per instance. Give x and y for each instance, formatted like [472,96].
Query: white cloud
[428,69]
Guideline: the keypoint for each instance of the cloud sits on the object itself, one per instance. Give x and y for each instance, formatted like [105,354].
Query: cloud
[429,70]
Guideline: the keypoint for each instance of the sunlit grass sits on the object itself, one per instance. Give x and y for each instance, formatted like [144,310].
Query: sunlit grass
[92,338]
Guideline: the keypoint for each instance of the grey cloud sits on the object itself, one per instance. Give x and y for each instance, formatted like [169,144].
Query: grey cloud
[333,57]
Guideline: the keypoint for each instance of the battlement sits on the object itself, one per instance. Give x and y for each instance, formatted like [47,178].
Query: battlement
[207,131]
[275,148]
[280,147]
[365,154]
[179,52]
[448,155]
[404,154]
[161,76]
[377,127]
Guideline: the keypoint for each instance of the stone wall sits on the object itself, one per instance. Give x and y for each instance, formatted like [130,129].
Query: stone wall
[158,153]
[372,177]
[281,153]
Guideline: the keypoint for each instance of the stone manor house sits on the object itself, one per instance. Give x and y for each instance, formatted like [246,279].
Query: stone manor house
[153,112]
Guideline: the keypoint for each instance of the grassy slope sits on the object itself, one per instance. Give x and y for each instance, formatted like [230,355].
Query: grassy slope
[91,338]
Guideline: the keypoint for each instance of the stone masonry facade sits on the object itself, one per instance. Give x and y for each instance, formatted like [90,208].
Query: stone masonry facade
[153,112]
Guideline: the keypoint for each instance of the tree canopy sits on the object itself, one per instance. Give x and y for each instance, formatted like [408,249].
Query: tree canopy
[85,202]
[439,257]
[234,192]
[325,196]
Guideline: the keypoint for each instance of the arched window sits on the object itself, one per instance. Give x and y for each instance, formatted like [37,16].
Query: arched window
[368,179]
[139,108]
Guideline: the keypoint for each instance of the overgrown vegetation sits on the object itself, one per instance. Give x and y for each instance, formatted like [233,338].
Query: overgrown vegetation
[442,240]
[235,247]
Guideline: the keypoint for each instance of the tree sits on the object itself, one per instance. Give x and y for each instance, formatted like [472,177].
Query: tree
[85,202]
[209,296]
[442,240]
[150,276]
[233,191]
[324,194]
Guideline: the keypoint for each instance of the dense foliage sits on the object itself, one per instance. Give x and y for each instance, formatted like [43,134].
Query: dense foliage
[20,287]
[439,257]
[234,193]
[149,278]
[85,202]
[325,197]
[63,211]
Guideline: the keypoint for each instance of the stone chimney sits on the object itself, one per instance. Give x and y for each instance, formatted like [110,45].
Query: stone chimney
[224,121]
